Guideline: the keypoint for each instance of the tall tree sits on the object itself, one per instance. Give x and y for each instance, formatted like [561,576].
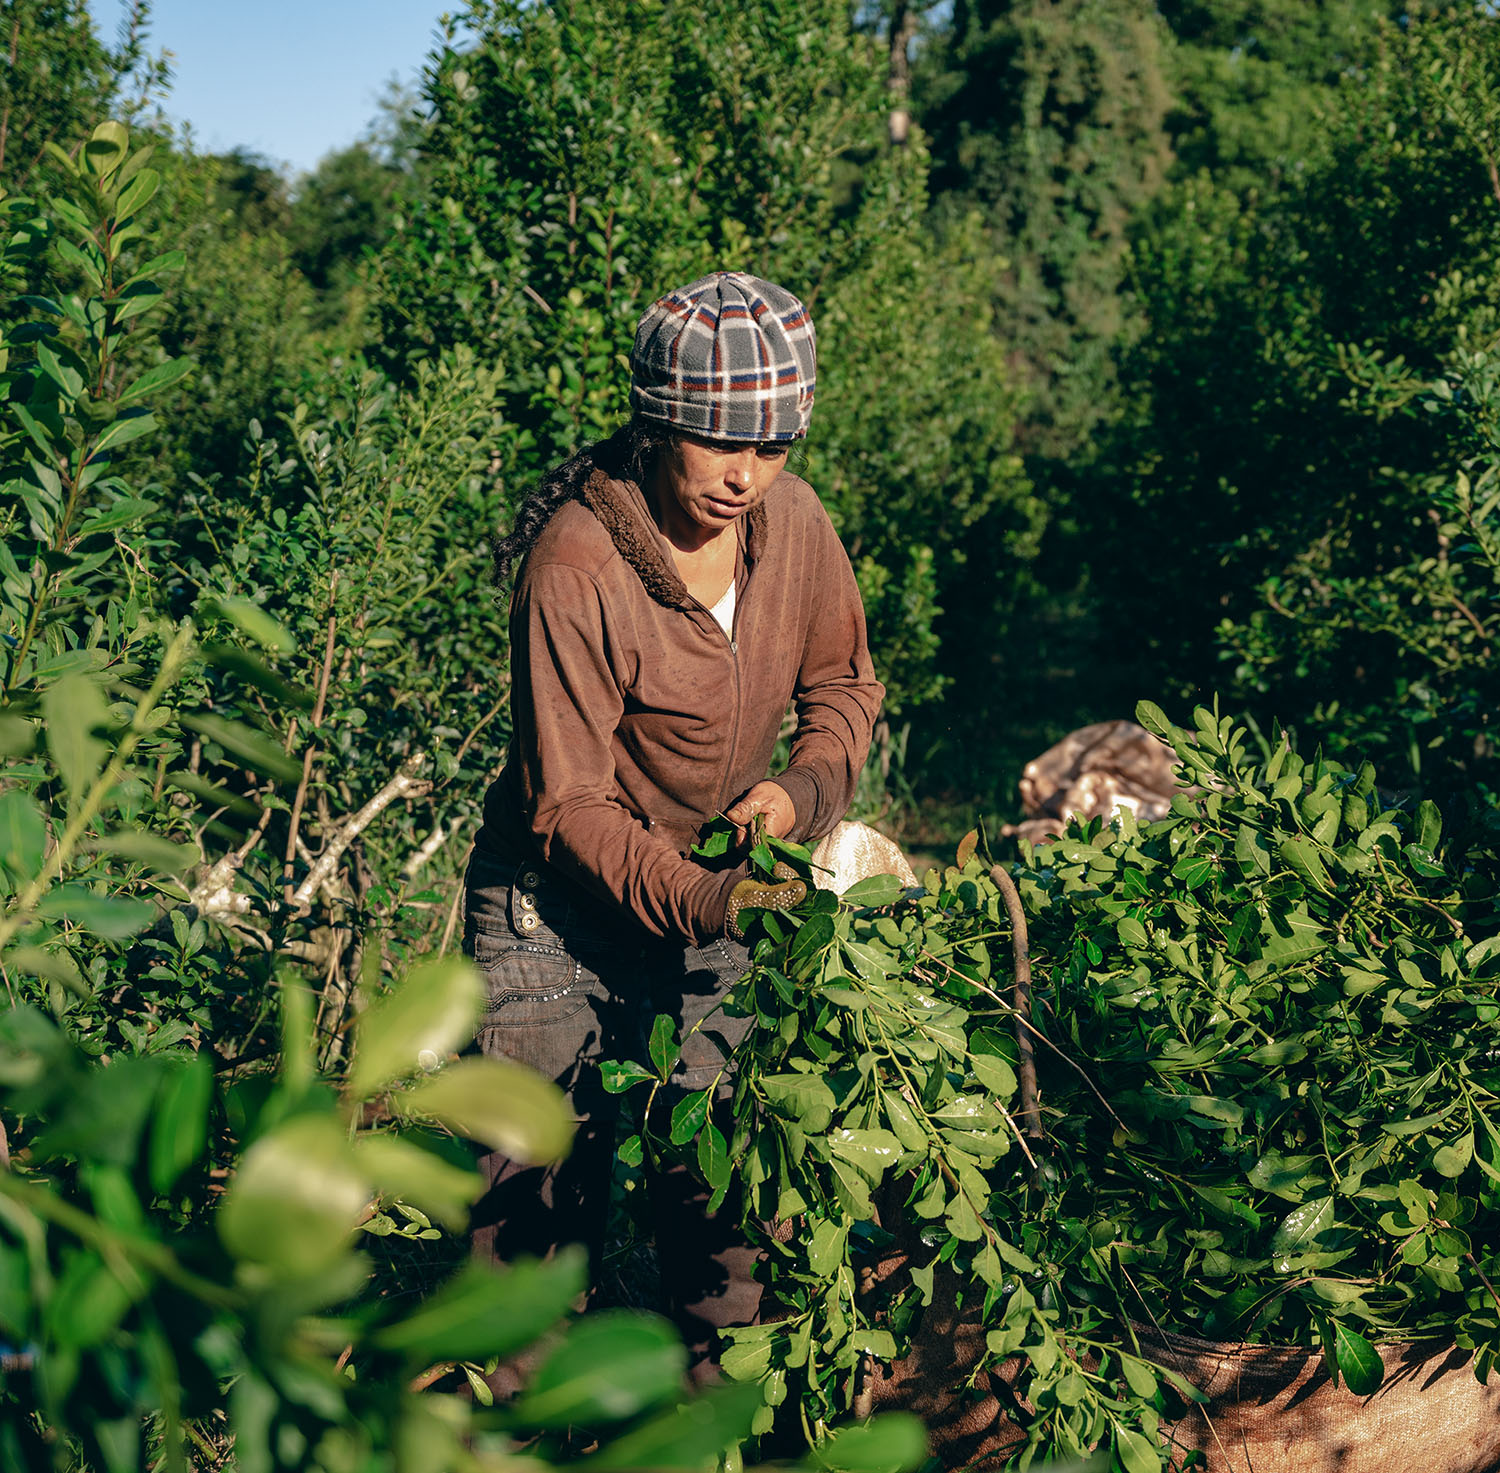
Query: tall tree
[1048,116]
[582,159]
[1318,364]
[58,78]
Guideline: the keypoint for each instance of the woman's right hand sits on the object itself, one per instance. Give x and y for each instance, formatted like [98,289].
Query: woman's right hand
[771,802]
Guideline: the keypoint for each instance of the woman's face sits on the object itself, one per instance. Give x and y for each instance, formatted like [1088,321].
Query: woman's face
[703,486]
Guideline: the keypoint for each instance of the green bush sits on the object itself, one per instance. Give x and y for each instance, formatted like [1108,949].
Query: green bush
[1263,1030]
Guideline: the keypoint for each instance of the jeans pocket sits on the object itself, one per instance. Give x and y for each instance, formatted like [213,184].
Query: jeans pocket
[530,983]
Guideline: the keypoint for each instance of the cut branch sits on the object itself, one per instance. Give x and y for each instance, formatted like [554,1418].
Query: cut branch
[1031,1112]
[406,784]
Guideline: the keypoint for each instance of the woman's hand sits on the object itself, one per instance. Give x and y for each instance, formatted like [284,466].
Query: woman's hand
[772,802]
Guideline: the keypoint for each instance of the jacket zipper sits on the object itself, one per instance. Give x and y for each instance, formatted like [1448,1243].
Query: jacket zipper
[734,660]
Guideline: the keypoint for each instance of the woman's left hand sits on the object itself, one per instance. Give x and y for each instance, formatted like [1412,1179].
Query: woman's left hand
[772,802]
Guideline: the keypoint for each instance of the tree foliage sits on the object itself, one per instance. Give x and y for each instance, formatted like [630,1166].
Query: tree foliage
[1268,1112]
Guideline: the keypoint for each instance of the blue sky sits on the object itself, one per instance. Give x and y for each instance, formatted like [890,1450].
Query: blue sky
[290,79]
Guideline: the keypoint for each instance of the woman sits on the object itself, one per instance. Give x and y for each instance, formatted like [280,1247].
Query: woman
[677,590]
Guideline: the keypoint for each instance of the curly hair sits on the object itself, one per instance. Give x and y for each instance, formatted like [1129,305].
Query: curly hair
[628,454]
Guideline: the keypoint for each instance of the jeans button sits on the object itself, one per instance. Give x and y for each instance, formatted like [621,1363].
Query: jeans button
[531,879]
[529,921]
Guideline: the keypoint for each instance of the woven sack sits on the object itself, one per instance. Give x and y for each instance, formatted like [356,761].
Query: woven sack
[1270,1409]
[1274,1409]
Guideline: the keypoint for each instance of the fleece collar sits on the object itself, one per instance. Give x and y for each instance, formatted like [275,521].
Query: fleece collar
[620,507]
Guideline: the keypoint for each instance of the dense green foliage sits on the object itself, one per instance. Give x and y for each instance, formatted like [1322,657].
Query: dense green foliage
[206,717]
[1270,1106]
[1159,357]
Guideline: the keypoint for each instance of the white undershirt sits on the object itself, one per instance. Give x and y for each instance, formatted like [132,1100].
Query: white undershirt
[723,611]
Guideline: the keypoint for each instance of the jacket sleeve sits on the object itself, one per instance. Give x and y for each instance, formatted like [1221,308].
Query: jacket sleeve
[837,696]
[566,704]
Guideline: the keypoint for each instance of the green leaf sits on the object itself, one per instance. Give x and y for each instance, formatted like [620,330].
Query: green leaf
[870,1152]
[73,709]
[618,1075]
[663,1047]
[255,747]
[429,1014]
[1223,1204]
[399,1168]
[1137,1452]
[612,1365]
[173,260]
[129,426]
[996,1075]
[1301,856]
[870,961]
[106,148]
[1418,1124]
[715,843]
[1154,719]
[256,624]
[88,1303]
[179,1126]
[747,1356]
[812,939]
[146,848]
[162,376]
[1299,1230]
[688,1116]
[1357,1360]
[688,1438]
[874,892]
[1451,1159]
[713,1156]
[111,917]
[805,1098]
[23,836]
[500,1104]
[1290,940]
[136,194]
[295,1197]
[1194,870]
[894,1442]
[482,1311]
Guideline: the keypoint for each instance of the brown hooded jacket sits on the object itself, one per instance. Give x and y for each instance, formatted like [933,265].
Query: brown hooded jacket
[636,719]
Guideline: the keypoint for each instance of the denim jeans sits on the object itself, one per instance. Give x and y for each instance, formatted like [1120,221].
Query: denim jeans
[571,983]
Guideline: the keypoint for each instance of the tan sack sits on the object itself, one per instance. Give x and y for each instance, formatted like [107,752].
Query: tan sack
[1093,772]
[1271,1408]
[1274,1409]
[855,851]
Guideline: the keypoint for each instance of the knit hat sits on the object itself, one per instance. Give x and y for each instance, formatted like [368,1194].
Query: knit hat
[730,356]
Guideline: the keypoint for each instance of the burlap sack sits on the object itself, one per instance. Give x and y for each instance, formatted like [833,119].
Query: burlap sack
[1270,1409]
[1274,1409]
[854,851]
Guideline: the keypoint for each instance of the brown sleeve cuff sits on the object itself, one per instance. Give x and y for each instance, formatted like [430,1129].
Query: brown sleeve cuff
[711,902]
[802,788]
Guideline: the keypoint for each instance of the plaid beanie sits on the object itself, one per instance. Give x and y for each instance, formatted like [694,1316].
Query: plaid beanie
[731,356]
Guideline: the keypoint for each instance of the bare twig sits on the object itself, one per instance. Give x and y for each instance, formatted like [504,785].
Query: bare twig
[215,894]
[310,756]
[1468,614]
[536,297]
[453,918]
[431,1376]
[483,722]
[429,846]
[1031,1111]
[405,784]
